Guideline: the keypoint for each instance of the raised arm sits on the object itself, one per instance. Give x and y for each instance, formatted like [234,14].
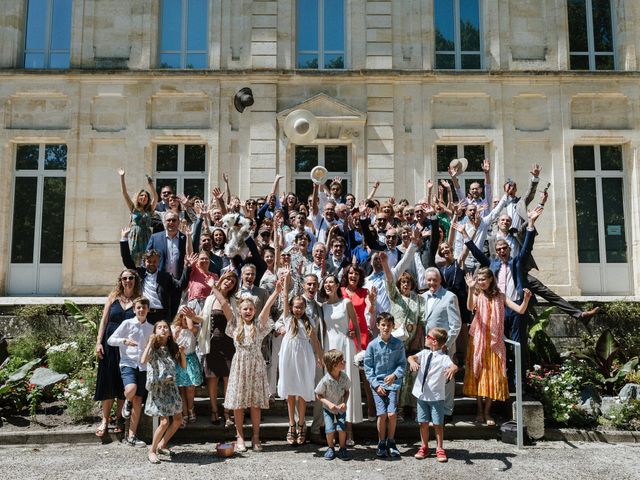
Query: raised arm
[218,196]
[276,183]
[125,252]
[314,200]
[486,169]
[227,189]
[266,310]
[123,189]
[519,309]
[374,189]
[533,184]
[471,285]
[155,199]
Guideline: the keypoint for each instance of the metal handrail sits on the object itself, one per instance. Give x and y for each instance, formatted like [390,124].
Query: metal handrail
[519,414]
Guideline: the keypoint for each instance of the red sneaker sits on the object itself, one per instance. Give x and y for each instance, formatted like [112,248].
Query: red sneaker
[441,456]
[423,452]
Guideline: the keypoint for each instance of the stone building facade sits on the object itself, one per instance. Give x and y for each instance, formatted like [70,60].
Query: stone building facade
[413,84]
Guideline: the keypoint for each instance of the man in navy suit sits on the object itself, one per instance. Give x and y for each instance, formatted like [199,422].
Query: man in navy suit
[511,277]
[172,246]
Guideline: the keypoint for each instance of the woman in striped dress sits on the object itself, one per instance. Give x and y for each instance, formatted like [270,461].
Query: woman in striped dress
[486,366]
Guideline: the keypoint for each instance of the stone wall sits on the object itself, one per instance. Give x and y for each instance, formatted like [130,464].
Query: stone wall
[112,108]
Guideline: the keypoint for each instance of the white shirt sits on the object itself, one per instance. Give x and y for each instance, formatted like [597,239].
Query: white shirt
[506,283]
[434,386]
[290,238]
[173,254]
[150,290]
[131,329]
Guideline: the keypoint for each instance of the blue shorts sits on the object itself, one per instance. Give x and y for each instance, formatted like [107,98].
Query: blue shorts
[386,404]
[430,412]
[334,421]
[132,375]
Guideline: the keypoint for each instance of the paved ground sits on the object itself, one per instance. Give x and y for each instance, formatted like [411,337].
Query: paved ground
[468,459]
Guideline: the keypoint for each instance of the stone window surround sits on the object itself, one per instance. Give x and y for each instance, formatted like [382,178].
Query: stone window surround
[456,19]
[183,52]
[47,47]
[180,174]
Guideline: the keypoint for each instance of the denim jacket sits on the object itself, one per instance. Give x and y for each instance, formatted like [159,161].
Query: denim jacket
[382,359]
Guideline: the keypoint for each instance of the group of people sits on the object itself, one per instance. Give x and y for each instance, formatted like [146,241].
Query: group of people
[325,299]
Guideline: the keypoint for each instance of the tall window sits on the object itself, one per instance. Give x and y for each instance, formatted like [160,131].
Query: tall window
[475,154]
[183,34]
[458,34]
[590,35]
[335,158]
[48,37]
[184,167]
[600,204]
[320,33]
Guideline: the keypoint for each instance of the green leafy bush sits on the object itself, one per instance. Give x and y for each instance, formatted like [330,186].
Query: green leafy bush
[559,391]
[64,358]
[623,320]
[13,395]
[78,395]
[624,416]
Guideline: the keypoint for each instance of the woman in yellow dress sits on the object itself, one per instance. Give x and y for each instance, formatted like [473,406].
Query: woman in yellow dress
[486,366]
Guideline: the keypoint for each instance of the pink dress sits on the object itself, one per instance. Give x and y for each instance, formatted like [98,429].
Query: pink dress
[358,298]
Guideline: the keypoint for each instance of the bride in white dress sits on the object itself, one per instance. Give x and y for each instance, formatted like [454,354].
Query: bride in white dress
[338,314]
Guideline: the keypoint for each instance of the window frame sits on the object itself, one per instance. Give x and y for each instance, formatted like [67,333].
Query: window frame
[591,52]
[457,42]
[180,174]
[598,175]
[40,173]
[47,51]
[347,176]
[465,178]
[183,52]
[320,40]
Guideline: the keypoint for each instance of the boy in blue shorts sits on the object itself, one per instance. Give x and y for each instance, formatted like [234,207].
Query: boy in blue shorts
[132,337]
[436,369]
[333,392]
[384,363]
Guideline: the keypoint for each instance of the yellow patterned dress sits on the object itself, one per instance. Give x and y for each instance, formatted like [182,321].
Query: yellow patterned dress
[486,376]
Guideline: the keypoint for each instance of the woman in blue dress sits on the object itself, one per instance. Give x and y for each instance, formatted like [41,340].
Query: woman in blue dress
[119,307]
[141,207]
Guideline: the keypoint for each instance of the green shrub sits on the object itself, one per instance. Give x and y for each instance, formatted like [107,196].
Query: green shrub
[78,395]
[27,346]
[633,377]
[64,358]
[559,392]
[13,396]
[624,416]
[623,320]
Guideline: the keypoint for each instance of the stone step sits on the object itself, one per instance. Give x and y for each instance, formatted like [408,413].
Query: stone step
[274,427]
[462,406]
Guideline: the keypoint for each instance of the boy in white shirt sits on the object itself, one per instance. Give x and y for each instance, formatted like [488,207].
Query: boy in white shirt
[436,369]
[131,337]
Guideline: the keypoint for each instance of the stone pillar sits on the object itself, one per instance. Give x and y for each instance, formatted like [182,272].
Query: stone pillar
[380,145]
[264,34]
[261,167]
[379,35]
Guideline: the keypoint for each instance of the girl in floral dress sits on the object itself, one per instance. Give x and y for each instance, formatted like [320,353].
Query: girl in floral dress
[248,384]
[163,400]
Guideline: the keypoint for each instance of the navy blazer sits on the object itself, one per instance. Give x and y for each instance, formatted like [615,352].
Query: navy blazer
[158,241]
[516,264]
[166,284]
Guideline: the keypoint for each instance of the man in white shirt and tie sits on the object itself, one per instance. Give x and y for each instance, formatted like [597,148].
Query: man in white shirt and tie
[442,311]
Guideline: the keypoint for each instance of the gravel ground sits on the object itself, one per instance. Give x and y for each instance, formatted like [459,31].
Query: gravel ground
[467,459]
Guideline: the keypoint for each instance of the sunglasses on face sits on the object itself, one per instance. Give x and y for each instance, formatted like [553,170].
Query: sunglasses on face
[429,337]
[168,220]
[498,249]
[390,237]
[165,193]
[130,279]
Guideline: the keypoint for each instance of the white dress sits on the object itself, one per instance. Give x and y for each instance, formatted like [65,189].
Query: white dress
[297,364]
[336,320]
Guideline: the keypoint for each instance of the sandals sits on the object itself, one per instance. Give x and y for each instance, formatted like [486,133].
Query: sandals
[102,429]
[119,425]
[153,458]
[292,435]
[183,423]
[240,446]
[302,431]
[491,422]
[228,423]
[191,418]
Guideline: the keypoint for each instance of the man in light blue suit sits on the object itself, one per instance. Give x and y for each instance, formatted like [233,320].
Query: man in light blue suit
[442,311]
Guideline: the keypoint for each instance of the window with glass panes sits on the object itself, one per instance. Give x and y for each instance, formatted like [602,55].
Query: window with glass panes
[183,167]
[591,37]
[39,203]
[320,34]
[48,34]
[335,158]
[599,190]
[475,154]
[458,34]
[183,34]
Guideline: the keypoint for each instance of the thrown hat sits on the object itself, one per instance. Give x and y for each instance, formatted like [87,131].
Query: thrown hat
[243,99]
[459,164]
